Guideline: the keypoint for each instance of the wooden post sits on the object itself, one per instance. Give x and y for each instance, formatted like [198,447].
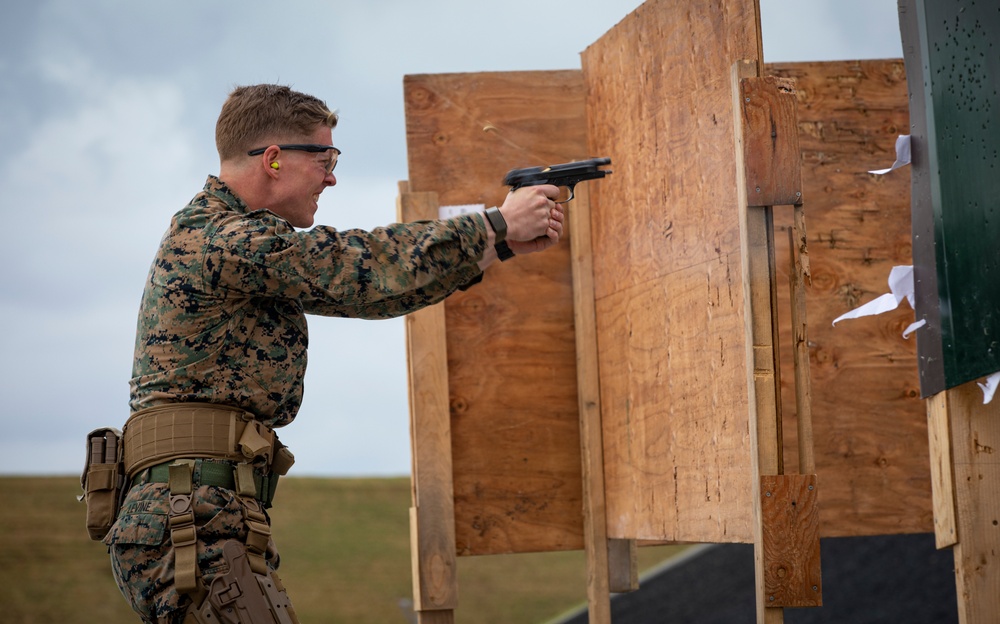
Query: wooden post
[755,227]
[967,495]
[432,517]
[791,541]
[595,534]
[798,277]
[623,565]
[785,516]
[942,470]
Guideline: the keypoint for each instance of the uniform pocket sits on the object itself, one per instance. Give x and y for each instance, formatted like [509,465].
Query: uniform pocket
[139,545]
[142,519]
[139,529]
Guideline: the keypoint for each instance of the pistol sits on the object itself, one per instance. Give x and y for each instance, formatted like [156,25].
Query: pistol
[567,175]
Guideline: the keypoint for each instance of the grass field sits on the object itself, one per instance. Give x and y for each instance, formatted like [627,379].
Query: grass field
[345,559]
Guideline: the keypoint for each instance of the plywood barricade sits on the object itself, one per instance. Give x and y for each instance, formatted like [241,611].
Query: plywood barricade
[511,356]
[679,461]
[870,430]
[667,273]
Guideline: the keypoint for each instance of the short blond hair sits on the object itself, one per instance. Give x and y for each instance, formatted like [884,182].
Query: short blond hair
[256,114]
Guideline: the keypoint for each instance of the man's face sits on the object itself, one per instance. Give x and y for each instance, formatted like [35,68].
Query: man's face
[302,177]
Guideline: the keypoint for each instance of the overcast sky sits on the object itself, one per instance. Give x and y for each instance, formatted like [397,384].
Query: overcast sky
[107,116]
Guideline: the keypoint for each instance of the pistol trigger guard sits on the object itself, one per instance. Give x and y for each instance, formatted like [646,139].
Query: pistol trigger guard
[572,193]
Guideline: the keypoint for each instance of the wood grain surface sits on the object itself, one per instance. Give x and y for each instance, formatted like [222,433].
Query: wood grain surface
[667,272]
[511,348]
[869,424]
[791,553]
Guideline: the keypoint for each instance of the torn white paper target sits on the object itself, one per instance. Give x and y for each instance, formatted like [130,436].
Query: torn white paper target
[900,287]
[913,327]
[989,387]
[902,155]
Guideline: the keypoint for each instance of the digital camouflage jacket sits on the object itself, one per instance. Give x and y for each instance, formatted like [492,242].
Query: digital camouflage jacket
[222,317]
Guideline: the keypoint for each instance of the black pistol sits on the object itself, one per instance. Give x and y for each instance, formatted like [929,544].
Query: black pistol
[567,175]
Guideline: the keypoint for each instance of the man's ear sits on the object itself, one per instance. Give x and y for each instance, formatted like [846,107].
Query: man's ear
[270,159]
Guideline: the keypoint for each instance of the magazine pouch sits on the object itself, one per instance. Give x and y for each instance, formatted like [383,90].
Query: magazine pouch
[103,480]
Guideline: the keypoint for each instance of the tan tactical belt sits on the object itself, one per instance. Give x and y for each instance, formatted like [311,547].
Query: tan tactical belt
[200,430]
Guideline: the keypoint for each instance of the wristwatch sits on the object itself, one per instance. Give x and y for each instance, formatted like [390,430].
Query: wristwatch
[496,220]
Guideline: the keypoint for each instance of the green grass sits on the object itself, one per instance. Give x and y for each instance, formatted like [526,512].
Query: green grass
[345,559]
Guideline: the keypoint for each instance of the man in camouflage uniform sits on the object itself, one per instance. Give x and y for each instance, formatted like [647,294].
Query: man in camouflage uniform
[222,318]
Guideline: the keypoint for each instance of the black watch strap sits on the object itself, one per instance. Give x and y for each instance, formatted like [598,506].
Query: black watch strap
[499,226]
[503,251]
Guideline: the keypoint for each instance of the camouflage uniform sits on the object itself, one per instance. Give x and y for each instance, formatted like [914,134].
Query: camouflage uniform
[222,320]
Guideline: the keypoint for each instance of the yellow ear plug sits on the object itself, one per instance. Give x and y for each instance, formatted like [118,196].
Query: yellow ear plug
[275,165]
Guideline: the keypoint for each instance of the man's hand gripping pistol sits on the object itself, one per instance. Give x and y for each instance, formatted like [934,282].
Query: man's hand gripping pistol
[565,176]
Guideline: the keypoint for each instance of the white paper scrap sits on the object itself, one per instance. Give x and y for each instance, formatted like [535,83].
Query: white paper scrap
[900,287]
[913,327]
[447,212]
[902,155]
[989,387]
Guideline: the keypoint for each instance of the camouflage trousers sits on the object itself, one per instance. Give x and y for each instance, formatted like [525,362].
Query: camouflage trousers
[142,557]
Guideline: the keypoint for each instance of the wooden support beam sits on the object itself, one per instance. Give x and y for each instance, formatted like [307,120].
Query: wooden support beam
[798,277]
[436,617]
[773,176]
[786,537]
[755,233]
[432,517]
[623,565]
[942,470]
[595,532]
[791,541]
[975,448]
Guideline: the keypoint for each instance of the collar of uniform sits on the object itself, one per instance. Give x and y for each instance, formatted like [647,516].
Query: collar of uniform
[217,188]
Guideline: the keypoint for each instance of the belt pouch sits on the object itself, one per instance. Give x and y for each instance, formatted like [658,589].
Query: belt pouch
[103,480]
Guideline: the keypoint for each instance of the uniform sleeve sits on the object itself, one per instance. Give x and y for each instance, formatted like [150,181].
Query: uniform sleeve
[378,274]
